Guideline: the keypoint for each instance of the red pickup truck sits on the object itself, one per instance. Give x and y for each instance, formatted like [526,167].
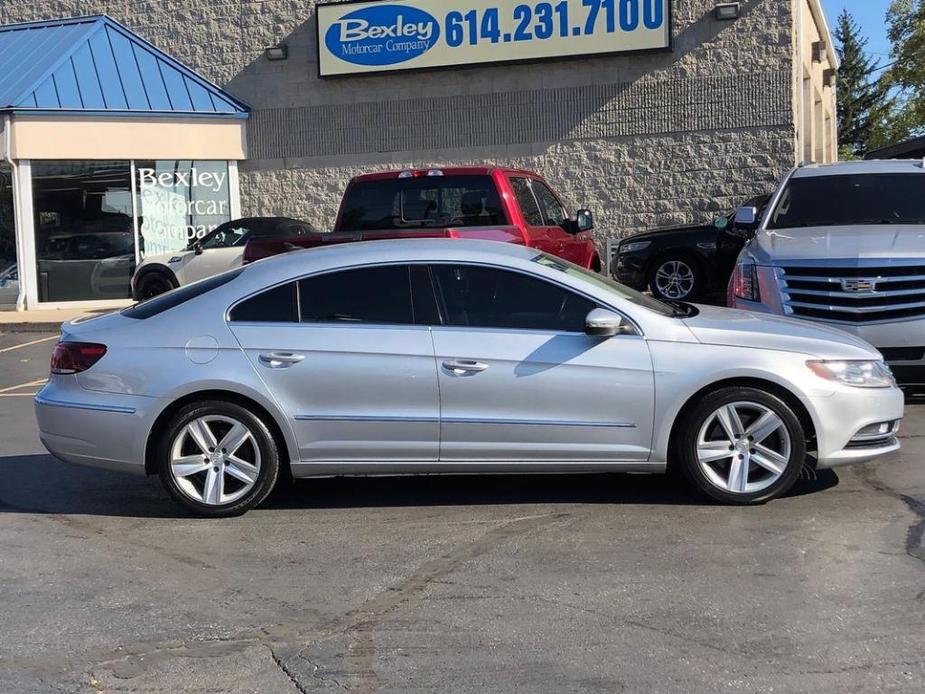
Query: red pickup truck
[487,203]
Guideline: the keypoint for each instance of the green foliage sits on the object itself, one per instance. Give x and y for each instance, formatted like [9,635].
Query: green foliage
[864,104]
[906,30]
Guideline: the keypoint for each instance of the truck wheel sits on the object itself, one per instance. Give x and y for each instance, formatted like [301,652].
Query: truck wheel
[675,277]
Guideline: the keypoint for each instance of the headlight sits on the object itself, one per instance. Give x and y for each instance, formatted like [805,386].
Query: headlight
[745,282]
[635,246]
[863,374]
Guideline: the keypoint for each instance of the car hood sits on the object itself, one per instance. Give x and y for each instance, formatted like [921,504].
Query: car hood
[731,327]
[670,231]
[849,242]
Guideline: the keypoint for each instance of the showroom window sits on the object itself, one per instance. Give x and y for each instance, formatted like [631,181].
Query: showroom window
[9,270]
[84,229]
[180,202]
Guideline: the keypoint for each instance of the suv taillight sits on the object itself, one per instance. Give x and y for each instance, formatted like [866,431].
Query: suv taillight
[74,357]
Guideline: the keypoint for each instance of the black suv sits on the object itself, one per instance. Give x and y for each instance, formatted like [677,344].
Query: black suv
[683,263]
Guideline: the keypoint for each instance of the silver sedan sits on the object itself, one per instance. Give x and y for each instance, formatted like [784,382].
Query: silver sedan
[429,356]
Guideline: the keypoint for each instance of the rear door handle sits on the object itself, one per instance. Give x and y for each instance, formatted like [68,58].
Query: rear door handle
[280,360]
[461,367]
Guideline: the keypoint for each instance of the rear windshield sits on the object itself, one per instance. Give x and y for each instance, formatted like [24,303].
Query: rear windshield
[169,300]
[425,202]
[851,200]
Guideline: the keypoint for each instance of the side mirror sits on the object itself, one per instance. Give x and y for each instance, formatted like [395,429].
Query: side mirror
[746,217]
[584,220]
[197,248]
[603,323]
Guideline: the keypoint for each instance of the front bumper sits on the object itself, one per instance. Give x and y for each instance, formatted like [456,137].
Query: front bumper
[630,269]
[842,416]
[95,429]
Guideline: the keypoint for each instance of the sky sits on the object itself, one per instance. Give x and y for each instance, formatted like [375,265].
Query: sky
[871,16]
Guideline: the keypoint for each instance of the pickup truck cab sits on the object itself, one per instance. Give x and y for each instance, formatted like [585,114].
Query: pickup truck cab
[485,203]
[842,244]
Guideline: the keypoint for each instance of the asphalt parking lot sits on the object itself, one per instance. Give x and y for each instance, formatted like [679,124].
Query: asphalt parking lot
[472,584]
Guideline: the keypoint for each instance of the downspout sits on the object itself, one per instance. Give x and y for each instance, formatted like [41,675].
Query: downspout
[17,220]
[798,74]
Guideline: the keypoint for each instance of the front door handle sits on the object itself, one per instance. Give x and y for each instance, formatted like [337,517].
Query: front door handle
[462,367]
[280,360]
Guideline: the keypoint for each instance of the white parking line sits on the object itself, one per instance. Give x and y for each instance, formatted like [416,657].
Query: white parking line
[37,382]
[29,344]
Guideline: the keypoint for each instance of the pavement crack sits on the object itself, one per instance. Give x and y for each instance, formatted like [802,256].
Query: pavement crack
[916,530]
[287,672]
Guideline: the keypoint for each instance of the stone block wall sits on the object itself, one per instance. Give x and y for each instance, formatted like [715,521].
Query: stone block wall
[643,140]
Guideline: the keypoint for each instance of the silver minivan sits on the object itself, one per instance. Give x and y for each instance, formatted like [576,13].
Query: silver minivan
[844,244]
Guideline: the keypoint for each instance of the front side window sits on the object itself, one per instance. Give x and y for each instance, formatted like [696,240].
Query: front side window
[553,212]
[851,200]
[422,202]
[229,235]
[363,295]
[527,201]
[481,297]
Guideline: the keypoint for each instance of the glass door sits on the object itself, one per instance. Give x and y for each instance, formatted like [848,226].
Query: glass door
[9,270]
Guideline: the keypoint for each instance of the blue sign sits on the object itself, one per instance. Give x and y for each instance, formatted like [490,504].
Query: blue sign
[384,35]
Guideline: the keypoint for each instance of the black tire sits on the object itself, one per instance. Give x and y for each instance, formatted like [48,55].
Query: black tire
[689,435]
[698,279]
[152,284]
[261,441]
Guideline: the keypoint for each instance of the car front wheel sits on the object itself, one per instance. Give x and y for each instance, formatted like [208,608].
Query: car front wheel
[218,459]
[676,278]
[742,446]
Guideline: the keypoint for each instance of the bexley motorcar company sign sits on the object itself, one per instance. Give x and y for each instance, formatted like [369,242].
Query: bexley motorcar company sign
[384,36]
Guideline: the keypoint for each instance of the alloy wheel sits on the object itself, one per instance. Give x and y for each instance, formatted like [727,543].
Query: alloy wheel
[743,447]
[675,279]
[215,460]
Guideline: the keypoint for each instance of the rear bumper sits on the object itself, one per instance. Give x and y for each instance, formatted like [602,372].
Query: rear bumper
[103,430]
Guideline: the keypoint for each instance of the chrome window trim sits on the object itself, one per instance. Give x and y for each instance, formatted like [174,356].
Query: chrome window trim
[462,420]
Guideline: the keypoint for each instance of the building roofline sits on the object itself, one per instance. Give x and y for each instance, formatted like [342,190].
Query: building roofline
[822,24]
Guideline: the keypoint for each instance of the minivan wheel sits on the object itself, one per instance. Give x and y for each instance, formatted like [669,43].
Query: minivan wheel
[742,446]
[217,459]
[675,277]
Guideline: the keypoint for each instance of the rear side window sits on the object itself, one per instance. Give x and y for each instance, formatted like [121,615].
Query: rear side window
[277,305]
[527,202]
[422,202]
[494,298]
[363,295]
[165,302]
[851,200]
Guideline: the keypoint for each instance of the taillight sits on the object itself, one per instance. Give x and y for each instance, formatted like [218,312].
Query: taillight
[74,357]
[744,282]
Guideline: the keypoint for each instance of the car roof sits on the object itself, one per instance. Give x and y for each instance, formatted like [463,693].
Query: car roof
[874,166]
[296,263]
[447,171]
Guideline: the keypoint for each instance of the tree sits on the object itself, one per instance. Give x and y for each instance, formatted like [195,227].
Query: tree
[906,30]
[863,101]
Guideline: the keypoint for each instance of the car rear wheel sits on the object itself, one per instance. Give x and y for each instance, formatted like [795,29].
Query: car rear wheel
[153,284]
[218,459]
[676,278]
[742,446]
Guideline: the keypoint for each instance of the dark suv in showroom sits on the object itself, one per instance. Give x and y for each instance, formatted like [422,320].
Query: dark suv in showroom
[683,263]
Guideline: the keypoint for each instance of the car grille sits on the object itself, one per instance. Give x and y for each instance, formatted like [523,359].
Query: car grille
[855,294]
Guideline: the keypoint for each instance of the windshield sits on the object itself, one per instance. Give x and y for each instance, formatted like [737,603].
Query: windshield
[423,202]
[851,200]
[675,309]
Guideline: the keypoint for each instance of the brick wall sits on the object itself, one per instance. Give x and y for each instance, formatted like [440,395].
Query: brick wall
[643,140]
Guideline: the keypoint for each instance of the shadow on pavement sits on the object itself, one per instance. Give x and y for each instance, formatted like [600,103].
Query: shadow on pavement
[40,484]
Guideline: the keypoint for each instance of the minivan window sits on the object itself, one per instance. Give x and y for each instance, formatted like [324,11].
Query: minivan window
[851,200]
[363,295]
[481,297]
[422,202]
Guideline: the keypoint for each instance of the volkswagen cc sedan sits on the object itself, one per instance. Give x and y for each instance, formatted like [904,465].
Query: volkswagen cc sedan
[433,356]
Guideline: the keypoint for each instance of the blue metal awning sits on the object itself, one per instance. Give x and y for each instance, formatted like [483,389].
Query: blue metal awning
[94,65]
